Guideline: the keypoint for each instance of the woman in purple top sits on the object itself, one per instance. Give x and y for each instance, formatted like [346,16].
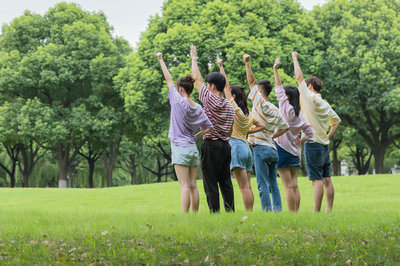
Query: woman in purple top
[289,144]
[186,118]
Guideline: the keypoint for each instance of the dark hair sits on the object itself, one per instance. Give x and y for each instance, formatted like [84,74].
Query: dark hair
[240,98]
[315,82]
[217,79]
[294,98]
[186,83]
[265,85]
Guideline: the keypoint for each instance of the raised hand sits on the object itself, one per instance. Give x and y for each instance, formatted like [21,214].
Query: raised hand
[246,58]
[295,55]
[159,56]
[219,61]
[277,62]
[193,52]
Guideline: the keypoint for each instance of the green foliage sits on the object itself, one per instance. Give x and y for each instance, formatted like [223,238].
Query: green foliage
[360,68]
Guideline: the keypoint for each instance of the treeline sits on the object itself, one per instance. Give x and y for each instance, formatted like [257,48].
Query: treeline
[80,108]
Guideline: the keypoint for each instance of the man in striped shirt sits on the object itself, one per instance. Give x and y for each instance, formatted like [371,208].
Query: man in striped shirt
[215,151]
[265,154]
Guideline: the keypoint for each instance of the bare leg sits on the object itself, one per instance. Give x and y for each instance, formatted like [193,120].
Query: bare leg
[242,179]
[249,182]
[318,194]
[182,172]
[296,191]
[286,178]
[194,192]
[330,193]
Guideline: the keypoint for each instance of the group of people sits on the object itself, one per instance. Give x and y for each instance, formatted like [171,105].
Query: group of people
[232,134]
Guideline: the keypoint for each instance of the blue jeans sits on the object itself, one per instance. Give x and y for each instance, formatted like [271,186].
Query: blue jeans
[265,160]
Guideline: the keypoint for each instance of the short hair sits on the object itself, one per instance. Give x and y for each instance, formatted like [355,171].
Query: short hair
[265,85]
[315,82]
[217,79]
[186,83]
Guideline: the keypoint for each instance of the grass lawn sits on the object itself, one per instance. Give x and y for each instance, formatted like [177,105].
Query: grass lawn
[144,225]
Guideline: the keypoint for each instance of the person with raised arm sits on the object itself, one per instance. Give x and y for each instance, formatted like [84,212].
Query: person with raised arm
[288,145]
[215,151]
[321,116]
[186,118]
[265,154]
[241,157]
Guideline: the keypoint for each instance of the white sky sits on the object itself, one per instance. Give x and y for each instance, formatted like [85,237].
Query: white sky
[128,17]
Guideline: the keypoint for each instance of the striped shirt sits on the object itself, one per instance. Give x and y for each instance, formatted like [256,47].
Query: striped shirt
[269,115]
[220,112]
[242,122]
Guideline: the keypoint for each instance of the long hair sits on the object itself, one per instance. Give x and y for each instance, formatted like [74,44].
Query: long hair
[240,98]
[294,98]
[186,83]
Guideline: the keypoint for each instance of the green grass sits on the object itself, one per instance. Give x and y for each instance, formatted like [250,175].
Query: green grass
[144,225]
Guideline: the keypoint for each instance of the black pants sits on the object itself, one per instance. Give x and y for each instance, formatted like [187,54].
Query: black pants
[215,163]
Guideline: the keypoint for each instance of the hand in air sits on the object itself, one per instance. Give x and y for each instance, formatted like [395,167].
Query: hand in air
[193,52]
[219,61]
[246,58]
[295,55]
[277,62]
[159,56]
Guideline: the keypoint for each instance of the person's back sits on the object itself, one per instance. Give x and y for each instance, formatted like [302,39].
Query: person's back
[316,151]
[317,112]
[215,151]
[185,120]
[269,115]
[220,113]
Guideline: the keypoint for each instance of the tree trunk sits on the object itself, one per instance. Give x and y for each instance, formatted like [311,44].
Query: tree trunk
[91,171]
[63,171]
[12,176]
[110,158]
[379,157]
[335,162]
[133,169]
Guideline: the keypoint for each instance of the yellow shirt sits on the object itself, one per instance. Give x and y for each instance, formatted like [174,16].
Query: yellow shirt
[318,113]
[242,122]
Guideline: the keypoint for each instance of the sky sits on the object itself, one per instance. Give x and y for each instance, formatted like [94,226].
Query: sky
[128,17]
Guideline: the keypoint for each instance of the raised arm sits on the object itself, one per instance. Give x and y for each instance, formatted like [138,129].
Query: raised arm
[277,78]
[297,70]
[249,73]
[195,68]
[227,89]
[165,71]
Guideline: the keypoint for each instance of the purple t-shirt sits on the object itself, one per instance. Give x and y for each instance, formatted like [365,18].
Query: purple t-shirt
[185,120]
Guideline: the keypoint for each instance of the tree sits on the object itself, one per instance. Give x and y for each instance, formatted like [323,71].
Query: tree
[360,68]
[60,59]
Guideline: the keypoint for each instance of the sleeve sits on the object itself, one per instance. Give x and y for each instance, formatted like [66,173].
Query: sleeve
[305,92]
[205,123]
[253,93]
[307,131]
[173,95]
[285,107]
[282,124]
[253,119]
[333,118]
[204,94]
[234,104]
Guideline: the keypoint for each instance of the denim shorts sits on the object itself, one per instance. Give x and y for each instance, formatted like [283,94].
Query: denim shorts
[187,156]
[241,156]
[286,159]
[318,162]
